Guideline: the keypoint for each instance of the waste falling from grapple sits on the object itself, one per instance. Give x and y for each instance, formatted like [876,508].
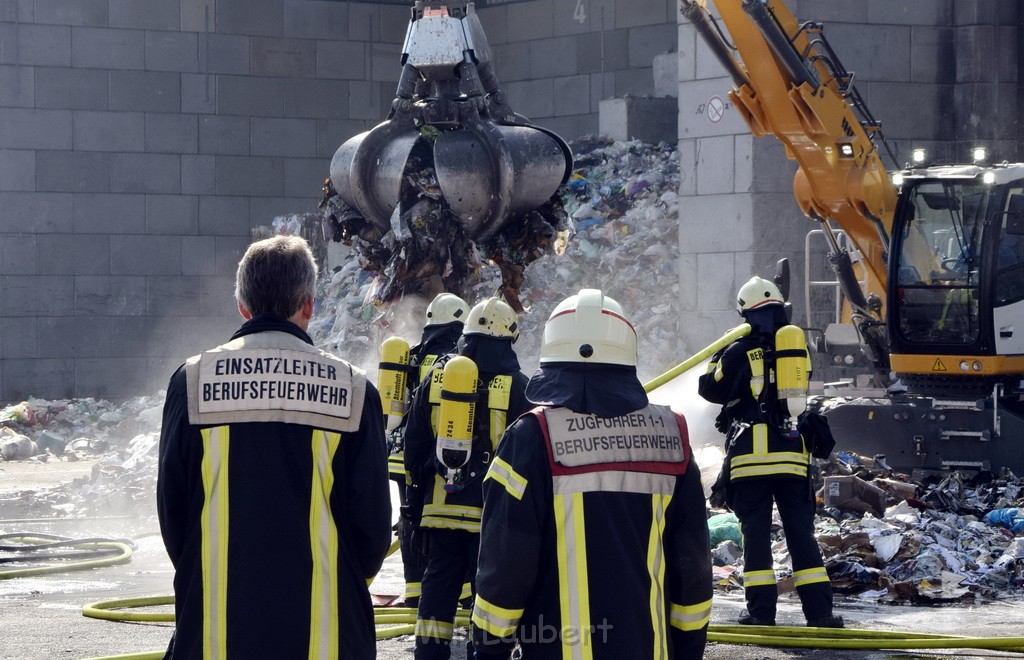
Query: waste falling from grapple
[453,176]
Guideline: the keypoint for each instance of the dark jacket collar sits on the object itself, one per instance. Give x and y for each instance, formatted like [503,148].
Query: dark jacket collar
[606,390]
[438,339]
[271,323]
[492,355]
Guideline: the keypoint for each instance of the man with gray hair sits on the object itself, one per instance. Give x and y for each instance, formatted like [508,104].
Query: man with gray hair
[273,487]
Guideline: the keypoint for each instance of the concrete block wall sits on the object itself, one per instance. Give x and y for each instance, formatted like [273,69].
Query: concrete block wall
[558,59]
[141,140]
[940,74]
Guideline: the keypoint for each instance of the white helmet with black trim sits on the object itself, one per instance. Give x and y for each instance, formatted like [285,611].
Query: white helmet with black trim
[446,308]
[589,327]
[492,317]
[757,293]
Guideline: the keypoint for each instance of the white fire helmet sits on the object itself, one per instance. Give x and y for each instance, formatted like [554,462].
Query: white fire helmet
[757,293]
[589,327]
[494,318]
[446,308]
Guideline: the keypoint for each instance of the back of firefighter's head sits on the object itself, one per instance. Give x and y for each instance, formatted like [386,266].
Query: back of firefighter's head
[760,302]
[276,276]
[446,308]
[492,318]
[589,327]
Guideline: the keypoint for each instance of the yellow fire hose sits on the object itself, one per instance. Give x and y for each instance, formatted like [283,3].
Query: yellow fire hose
[742,330]
[100,552]
[398,621]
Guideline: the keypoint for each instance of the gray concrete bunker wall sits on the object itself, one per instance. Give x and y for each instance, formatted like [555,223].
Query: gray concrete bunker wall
[142,140]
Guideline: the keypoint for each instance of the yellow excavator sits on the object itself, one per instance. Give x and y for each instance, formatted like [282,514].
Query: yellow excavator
[929,258]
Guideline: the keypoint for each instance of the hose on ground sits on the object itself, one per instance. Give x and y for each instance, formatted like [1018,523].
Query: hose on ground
[87,553]
[399,621]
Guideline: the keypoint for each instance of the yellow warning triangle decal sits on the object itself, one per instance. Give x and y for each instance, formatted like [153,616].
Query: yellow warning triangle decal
[938,366]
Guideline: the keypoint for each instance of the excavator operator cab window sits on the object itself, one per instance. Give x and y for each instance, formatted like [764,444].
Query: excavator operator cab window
[939,262]
[1009,276]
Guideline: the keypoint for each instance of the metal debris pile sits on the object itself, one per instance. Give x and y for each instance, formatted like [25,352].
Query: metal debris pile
[120,439]
[621,236]
[890,537]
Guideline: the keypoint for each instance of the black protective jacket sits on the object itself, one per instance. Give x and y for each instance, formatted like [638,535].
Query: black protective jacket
[461,509]
[758,445]
[273,499]
[610,552]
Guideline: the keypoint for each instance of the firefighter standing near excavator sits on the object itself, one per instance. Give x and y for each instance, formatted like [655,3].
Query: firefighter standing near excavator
[767,459]
[594,540]
[459,413]
[272,489]
[445,317]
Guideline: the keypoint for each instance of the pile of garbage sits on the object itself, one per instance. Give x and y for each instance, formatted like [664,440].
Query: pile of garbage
[121,439]
[890,537]
[621,237]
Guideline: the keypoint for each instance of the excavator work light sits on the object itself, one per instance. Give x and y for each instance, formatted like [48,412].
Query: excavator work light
[918,156]
[979,154]
[897,179]
[988,177]
[846,150]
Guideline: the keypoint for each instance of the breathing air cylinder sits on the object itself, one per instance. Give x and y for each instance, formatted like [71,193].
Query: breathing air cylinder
[455,419]
[392,373]
[792,370]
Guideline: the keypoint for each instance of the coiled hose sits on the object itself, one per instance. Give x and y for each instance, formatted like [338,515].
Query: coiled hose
[85,553]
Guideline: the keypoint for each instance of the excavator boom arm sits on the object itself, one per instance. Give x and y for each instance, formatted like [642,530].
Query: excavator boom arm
[788,83]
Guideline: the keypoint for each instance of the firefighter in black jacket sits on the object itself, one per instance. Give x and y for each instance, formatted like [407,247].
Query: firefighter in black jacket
[272,489]
[450,519]
[767,461]
[594,540]
[445,317]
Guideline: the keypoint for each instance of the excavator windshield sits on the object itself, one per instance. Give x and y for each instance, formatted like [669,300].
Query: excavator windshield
[939,261]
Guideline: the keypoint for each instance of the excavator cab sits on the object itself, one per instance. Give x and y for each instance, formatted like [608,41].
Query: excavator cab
[956,298]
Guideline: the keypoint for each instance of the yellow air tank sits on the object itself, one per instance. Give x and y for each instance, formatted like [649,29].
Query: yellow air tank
[792,369]
[455,418]
[392,373]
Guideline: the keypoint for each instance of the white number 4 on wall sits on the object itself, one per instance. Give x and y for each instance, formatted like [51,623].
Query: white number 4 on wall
[579,14]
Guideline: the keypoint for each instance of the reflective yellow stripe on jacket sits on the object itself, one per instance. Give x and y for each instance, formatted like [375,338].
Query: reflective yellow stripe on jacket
[214,523]
[764,463]
[323,542]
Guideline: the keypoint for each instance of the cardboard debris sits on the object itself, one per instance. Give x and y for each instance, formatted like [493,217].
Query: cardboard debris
[851,493]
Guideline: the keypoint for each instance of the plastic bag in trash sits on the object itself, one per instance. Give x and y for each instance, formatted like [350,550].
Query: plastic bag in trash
[1011,518]
[725,527]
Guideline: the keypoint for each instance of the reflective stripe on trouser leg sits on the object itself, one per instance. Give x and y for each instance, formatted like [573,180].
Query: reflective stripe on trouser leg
[441,587]
[752,503]
[796,509]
